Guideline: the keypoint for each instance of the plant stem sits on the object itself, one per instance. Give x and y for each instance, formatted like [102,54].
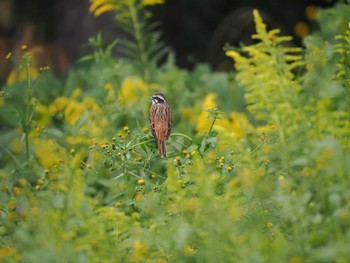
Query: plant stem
[212,124]
[13,157]
[28,114]
[181,134]
[140,42]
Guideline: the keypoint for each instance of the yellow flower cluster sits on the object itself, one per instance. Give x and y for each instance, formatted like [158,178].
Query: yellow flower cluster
[134,90]
[234,125]
[99,7]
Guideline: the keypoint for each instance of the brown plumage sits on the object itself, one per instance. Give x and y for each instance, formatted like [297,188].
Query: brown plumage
[160,120]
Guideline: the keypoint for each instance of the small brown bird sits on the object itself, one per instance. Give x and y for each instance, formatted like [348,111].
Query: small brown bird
[160,119]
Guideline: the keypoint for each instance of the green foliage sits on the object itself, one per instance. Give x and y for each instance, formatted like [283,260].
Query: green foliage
[91,188]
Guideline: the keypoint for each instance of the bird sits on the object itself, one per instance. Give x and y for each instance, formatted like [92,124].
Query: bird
[160,121]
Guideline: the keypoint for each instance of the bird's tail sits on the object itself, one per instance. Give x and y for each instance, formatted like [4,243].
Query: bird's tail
[161,148]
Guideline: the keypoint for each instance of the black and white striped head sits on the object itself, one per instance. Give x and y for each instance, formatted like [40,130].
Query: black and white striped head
[158,98]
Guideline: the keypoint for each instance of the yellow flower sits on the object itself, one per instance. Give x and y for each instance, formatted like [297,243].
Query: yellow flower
[99,7]
[42,113]
[203,122]
[311,12]
[20,75]
[108,86]
[236,125]
[24,47]
[141,181]
[269,224]
[133,90]
[152,2]
[9,55]
[140,250]
[16,190]
[47,151]
[301,29]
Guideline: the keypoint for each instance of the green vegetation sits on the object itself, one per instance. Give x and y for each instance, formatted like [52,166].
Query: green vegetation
[266,180]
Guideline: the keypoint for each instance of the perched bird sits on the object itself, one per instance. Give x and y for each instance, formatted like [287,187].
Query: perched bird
[160,120]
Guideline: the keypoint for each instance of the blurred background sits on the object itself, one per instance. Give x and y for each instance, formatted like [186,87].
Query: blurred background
[56,30]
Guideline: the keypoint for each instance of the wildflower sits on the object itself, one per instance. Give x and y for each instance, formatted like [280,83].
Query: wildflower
[118,203]
[139,197]
[72,151]
[269,224]
[141,181]
[24,47]
[16,190]
[152,2]
[184,151]
[144,129]
[190,250]
[209,102]
[18,75]
[266,212]
[177,158]
[306,171]
[99,7]
[311,12]
[188,156]
[12,215]
[301,29]
[11,204]
[108,86]
[229,168]
[125,128]
[133,90]
[37,187]
[140,250]
[153,176]
[9,55]
[40,181]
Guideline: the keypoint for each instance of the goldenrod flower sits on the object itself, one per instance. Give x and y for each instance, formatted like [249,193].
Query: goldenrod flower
[301,29]
[133,90]
[203,122]
[311,12]
[19,75]
[99,7]
[108,86]
[16,190]
[152,2]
